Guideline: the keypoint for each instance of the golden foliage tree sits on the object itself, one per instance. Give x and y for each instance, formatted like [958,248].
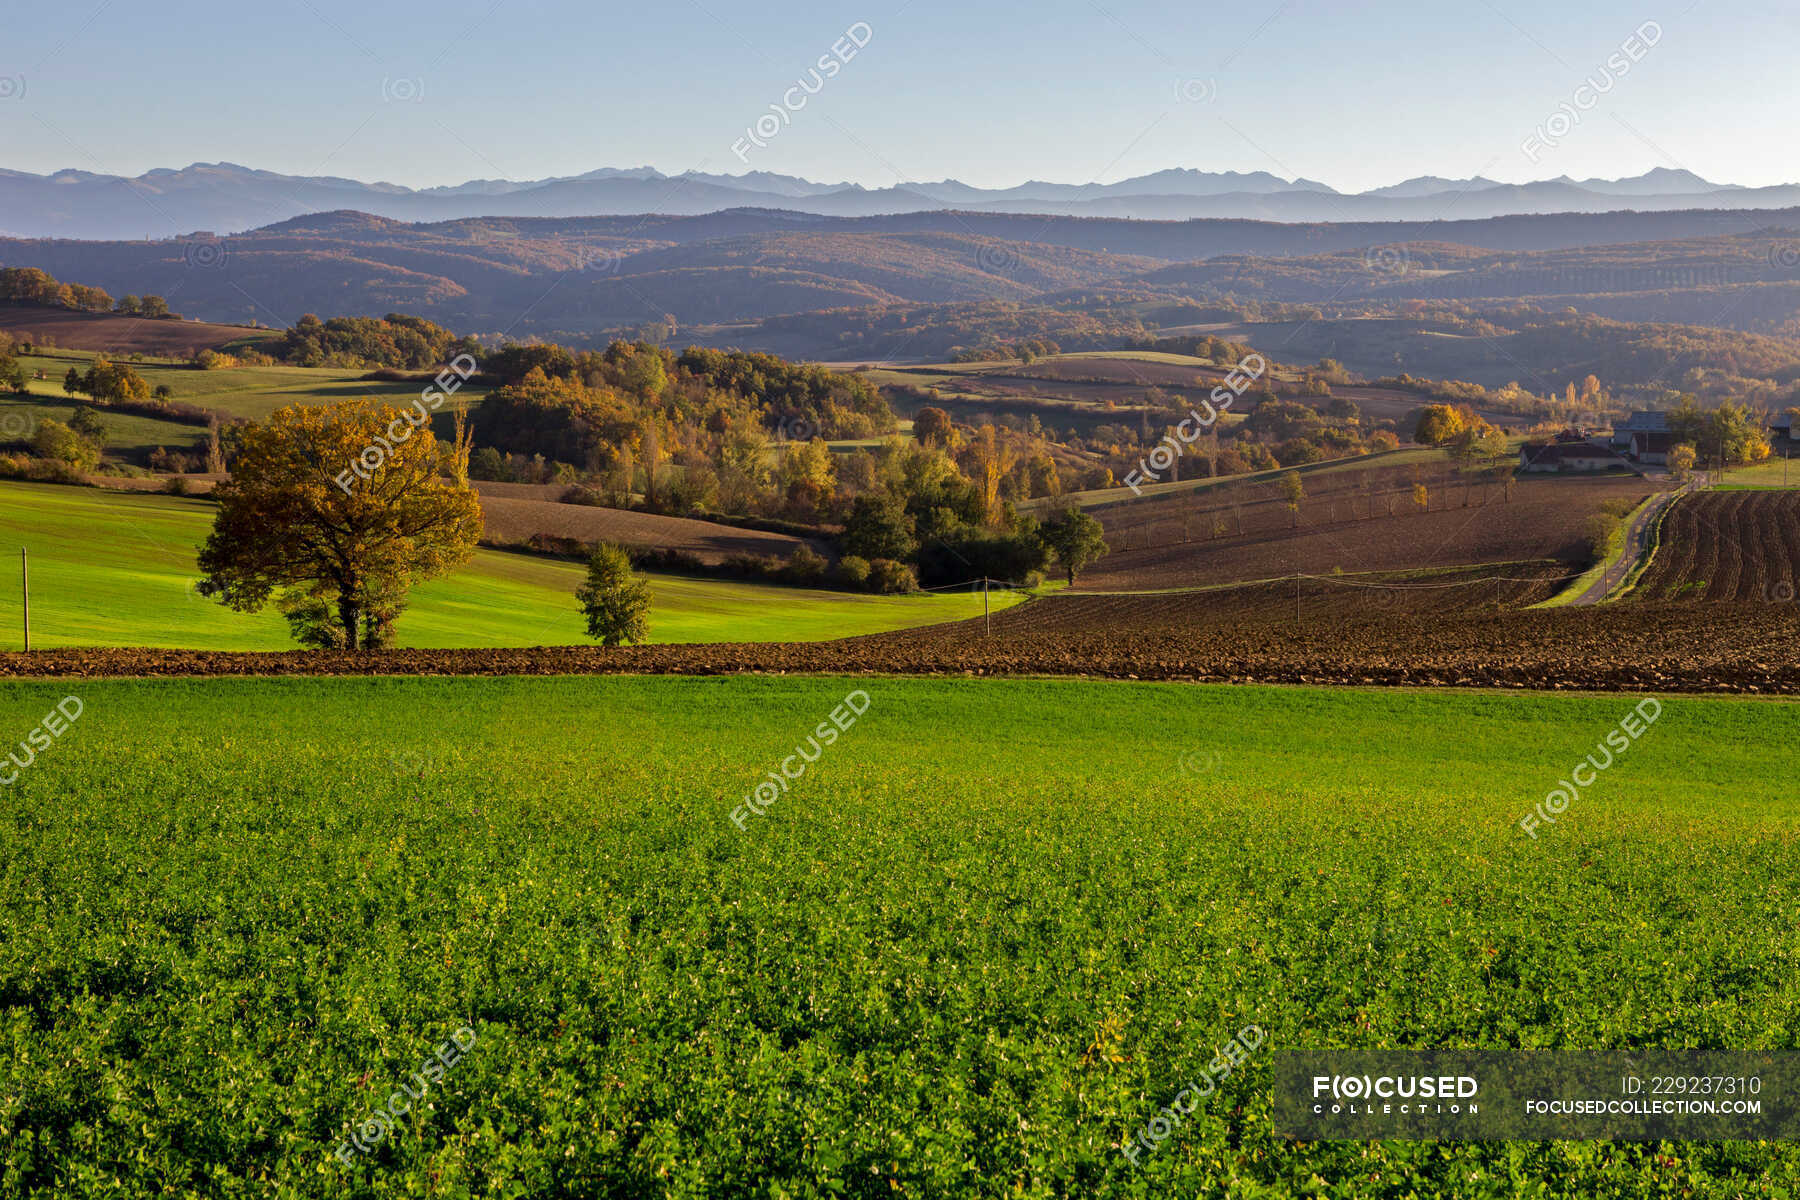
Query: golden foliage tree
[1681,461]
[1293,492]
[993,458]
[1438,423]
[343,507]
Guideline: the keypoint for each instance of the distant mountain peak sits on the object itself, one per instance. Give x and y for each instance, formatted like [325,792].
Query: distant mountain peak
[230,197]
[1657,181]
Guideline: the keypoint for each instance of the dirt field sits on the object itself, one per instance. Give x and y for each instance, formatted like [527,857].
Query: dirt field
[117,335]
[1726,546]
[1140,372]
[1122,379]
[515,512]
[1246,531]
[512,522]
[1457,592]
[1661,648]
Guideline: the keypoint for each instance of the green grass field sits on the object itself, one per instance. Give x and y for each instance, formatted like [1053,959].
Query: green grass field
[117,569]
[126,433]
[980,942]
[252,392]
[1775,473]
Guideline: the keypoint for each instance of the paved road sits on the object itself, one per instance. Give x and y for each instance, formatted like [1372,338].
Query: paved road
[1637,536]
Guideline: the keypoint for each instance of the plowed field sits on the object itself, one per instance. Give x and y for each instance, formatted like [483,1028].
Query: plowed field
[1718,547]
[1732,648]
[511,522]
[1353,521]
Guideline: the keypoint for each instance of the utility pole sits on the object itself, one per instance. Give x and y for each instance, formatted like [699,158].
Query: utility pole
[987,616]
[25,587]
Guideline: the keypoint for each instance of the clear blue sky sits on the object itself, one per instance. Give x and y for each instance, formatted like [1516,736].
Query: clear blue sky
[1356,93]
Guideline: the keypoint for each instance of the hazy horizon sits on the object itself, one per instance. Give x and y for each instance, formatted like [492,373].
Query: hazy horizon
[440,95]
[1576,177]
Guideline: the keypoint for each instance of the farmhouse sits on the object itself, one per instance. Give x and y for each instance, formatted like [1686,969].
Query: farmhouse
[1642,421]
[1567,454]
[1651,448]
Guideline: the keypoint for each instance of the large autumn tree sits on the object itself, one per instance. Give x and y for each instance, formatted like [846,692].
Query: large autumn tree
[342,508]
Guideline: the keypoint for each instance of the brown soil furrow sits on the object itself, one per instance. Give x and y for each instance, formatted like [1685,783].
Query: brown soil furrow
[1657,648]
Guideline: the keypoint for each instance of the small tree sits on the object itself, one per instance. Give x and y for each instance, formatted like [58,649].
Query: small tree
[615,600]
[461,443]
[58,443]
[931,426]
[1438,423]
[1681,461]
[87,423]
[1477,442]
[73,384]
[1076,539]
[877,527]
[1293,491]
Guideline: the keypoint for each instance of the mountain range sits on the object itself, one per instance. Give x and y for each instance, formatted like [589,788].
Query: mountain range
[228,198]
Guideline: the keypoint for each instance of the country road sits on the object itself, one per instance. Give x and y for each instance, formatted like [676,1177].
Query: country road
[1636,543]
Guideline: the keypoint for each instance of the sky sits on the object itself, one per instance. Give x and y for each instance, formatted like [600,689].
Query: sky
[1353,93]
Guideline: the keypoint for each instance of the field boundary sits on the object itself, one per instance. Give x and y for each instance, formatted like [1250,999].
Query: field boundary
[1555,651]
[1652,543]
[1345,576]
[1105,498]
[1583,583]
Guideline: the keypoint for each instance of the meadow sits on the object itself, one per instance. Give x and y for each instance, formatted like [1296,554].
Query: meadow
[117,569]
[251,392]
[1775,472]
[978,944]
[127,434]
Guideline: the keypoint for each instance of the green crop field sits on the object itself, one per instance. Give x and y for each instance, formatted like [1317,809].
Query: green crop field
[117,569]
[126,433]
[252,392]
[975,947]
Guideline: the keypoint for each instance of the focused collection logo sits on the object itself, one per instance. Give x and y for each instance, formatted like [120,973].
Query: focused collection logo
[1407,1095]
